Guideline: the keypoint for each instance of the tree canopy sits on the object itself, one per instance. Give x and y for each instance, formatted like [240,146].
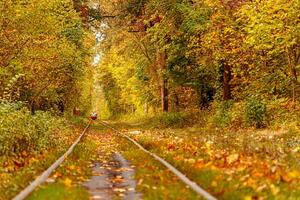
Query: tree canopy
[43,48]
[181,54]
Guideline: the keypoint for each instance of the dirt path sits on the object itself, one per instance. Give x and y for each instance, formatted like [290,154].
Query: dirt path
[112,176]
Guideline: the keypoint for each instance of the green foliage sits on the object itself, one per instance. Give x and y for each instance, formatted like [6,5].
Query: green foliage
[43,50]
[20,131]
[111,93]
[255,112]
[281,114]
[172,119]
[223,115]
[7,107]
[11,91]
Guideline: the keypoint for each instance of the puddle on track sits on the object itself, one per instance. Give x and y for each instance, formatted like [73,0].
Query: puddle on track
[112,179]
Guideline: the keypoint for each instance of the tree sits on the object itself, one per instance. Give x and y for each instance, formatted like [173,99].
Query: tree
[44,41]
[273,29]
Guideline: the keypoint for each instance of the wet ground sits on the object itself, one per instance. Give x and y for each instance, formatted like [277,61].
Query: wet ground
[112,178]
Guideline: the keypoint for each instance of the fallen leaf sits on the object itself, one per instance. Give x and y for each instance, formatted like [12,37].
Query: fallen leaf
[275,190]
[68,182]
[248,197]
[57,174]
[294,174]
[199,163]
[72,167]
[214,184]
[119,190]
[232,158]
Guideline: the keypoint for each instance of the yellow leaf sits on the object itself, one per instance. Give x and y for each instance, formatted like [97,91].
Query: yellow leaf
[68,182]
[294,174]
[191,161]
[214,184]
[24,153]
[275,190]
[248,198]
[199,163]
[72,167]
[232,158]
[57,174]
[251,183]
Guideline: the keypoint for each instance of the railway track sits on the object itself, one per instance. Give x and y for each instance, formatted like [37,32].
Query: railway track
[43,177]
[180,175]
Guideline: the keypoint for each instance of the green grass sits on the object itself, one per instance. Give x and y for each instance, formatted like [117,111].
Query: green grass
[161,120]
[59,191]
[14,178]
[17,172]
[154,180]
[71,174]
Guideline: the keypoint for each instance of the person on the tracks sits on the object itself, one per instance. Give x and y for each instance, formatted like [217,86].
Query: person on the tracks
[94,115]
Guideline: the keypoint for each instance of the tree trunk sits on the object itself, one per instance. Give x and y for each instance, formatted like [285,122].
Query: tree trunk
[32,107]
[164,96]
[226,82]
[176,102]
[293,74]
[294,82]
[162,63]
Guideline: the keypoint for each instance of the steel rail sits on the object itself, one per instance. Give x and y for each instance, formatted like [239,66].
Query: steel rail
[43,177]
[200,191]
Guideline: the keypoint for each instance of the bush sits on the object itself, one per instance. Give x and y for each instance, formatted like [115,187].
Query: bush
[222,115]
[255,113]
[237,115]
[175,120]
[20,131]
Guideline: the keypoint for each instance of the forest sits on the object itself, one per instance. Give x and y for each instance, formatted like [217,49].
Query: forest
[211,86]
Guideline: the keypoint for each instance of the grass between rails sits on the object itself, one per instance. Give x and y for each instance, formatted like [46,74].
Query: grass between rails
[66,181]
[248,164]
[154,180]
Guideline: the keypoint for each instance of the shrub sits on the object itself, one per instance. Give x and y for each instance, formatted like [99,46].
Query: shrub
[20,131]
[222,115]
[282,114]
[174,119]
[237,115]
[255,113]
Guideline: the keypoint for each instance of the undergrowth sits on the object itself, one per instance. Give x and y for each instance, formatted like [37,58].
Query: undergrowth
[29,144]
[175,120]
[279,114]
[160,120]
[230,164]
[21,132]
[253,113]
